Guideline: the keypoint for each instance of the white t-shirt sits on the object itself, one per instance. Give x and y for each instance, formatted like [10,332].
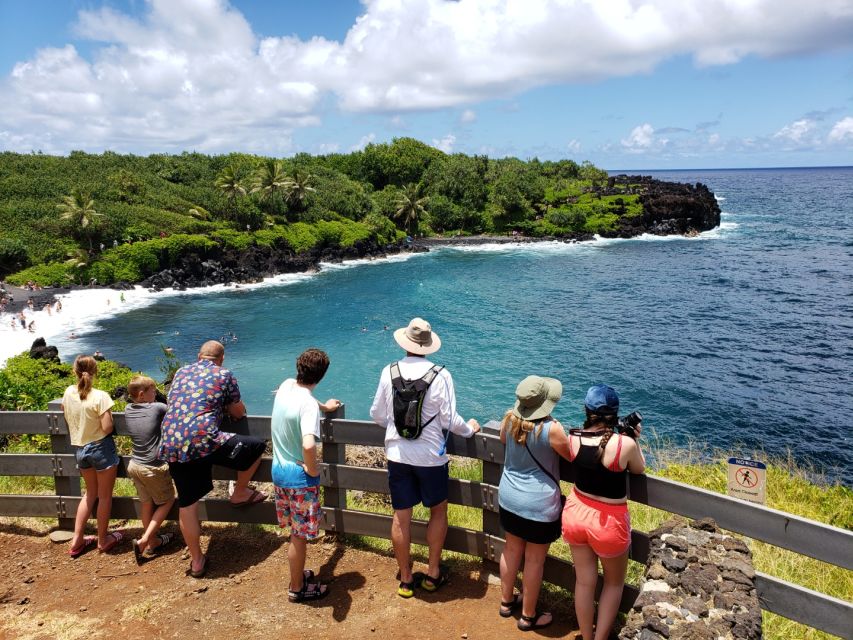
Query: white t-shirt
[439,401]
[295,414]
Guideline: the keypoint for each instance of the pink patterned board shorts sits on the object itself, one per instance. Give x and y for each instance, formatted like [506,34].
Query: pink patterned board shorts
[299,508]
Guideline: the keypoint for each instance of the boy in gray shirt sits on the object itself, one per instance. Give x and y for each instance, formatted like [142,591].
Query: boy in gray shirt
[149,474]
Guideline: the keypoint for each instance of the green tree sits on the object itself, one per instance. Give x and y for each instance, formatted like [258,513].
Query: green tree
[230,183]
[13,255]
[297,190]
[78,211]
[77,261]
[410,207]
[270,183]
[589,171]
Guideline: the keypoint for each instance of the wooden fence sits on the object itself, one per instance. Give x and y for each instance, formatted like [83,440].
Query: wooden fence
[806,537]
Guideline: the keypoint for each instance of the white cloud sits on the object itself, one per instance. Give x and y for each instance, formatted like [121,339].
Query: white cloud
[796,132]
[194,74]
[468,116]
[574,146]
[445,144]
[640,139]
[842,131]
[363,142]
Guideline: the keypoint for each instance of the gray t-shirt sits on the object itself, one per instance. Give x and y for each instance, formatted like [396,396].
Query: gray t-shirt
[143,422]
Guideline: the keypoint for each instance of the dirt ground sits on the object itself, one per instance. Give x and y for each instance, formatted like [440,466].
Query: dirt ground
[46,595]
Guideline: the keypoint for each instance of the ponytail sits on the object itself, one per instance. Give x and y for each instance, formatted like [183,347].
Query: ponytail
[609,421]
[518,428]
[85,368]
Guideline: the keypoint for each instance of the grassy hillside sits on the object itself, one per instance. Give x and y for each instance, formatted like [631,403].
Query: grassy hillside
[115,217]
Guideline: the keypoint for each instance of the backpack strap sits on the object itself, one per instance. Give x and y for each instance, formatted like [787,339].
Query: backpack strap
[428,377]
[396,378]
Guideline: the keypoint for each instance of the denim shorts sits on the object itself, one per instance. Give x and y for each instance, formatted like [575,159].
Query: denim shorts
[100,454]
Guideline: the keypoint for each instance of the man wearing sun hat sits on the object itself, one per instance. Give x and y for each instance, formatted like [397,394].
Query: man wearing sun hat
[418,468]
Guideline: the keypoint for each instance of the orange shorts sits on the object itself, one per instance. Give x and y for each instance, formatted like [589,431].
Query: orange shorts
[603,526]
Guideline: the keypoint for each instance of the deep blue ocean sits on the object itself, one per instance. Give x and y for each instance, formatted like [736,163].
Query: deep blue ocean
[741,339]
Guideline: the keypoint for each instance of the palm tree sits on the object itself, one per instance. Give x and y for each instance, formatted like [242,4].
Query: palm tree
[229,182]
[297,190]
[270,181]
[410,207]
[77,261]
[78,210]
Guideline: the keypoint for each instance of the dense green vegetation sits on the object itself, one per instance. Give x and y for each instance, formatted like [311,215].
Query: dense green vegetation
[121,217]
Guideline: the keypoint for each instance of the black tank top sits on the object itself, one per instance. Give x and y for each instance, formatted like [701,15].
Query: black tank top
[592,477]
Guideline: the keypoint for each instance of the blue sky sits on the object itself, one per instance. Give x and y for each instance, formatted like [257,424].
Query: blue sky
[627,84]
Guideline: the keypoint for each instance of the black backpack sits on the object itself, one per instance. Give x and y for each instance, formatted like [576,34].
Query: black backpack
[408,400]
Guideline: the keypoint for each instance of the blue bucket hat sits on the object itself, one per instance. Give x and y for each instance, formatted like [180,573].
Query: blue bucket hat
[602,399]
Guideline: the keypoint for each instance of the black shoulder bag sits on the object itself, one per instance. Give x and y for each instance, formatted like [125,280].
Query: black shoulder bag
[549,474]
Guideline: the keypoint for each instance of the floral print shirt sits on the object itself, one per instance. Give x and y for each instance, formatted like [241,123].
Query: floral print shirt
[197,399]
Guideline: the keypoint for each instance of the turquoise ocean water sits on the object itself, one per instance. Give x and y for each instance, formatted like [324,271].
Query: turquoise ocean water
[743,336]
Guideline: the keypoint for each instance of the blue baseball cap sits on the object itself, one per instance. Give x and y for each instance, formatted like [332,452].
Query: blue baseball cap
[602,399]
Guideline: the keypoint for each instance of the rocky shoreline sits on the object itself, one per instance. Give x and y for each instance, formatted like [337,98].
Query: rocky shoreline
[668,209]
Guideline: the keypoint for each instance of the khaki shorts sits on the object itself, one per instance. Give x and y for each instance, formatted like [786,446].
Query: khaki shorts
[152,482]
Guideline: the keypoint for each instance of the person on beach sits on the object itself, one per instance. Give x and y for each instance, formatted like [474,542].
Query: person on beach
[90,426]
[295,431]
[201,395]
[596,522]
[150,476]
[418,468]
[529,495]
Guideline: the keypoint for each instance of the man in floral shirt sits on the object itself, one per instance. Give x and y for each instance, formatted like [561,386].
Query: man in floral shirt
[201,395]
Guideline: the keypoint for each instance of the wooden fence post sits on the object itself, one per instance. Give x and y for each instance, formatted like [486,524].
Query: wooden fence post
[333,455]
[60,442]
[492,470]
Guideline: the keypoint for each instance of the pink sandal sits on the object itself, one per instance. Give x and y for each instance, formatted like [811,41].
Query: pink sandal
[114,538]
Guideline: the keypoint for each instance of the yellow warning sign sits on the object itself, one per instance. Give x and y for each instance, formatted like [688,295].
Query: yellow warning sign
[747,479]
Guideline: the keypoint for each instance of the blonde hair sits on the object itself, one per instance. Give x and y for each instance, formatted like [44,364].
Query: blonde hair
[139,384]
[85,368]
[518,428]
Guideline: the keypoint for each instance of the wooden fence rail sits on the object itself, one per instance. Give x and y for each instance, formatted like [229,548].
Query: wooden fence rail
[806,537]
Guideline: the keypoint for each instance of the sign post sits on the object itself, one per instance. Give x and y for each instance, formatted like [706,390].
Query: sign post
[747,480]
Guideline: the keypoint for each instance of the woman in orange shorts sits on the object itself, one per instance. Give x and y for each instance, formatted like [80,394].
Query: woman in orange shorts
[596,523]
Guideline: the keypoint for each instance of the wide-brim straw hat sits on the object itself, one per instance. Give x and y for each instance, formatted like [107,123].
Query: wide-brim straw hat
[536,397]
[418,338]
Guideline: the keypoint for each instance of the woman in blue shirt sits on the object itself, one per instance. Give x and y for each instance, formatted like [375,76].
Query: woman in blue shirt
[529,498]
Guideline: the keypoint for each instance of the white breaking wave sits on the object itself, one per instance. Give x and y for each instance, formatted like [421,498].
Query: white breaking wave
[83,309]
[349,264]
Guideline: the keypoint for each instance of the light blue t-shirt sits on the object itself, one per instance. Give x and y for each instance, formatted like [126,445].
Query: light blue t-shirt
[295,414]
[524,489]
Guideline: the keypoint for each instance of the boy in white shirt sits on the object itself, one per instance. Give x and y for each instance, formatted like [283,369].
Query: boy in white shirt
[295,470]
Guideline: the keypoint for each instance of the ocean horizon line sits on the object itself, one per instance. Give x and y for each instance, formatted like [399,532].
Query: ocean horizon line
[684,170]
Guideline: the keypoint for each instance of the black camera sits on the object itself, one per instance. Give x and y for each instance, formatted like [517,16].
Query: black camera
[628,424]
